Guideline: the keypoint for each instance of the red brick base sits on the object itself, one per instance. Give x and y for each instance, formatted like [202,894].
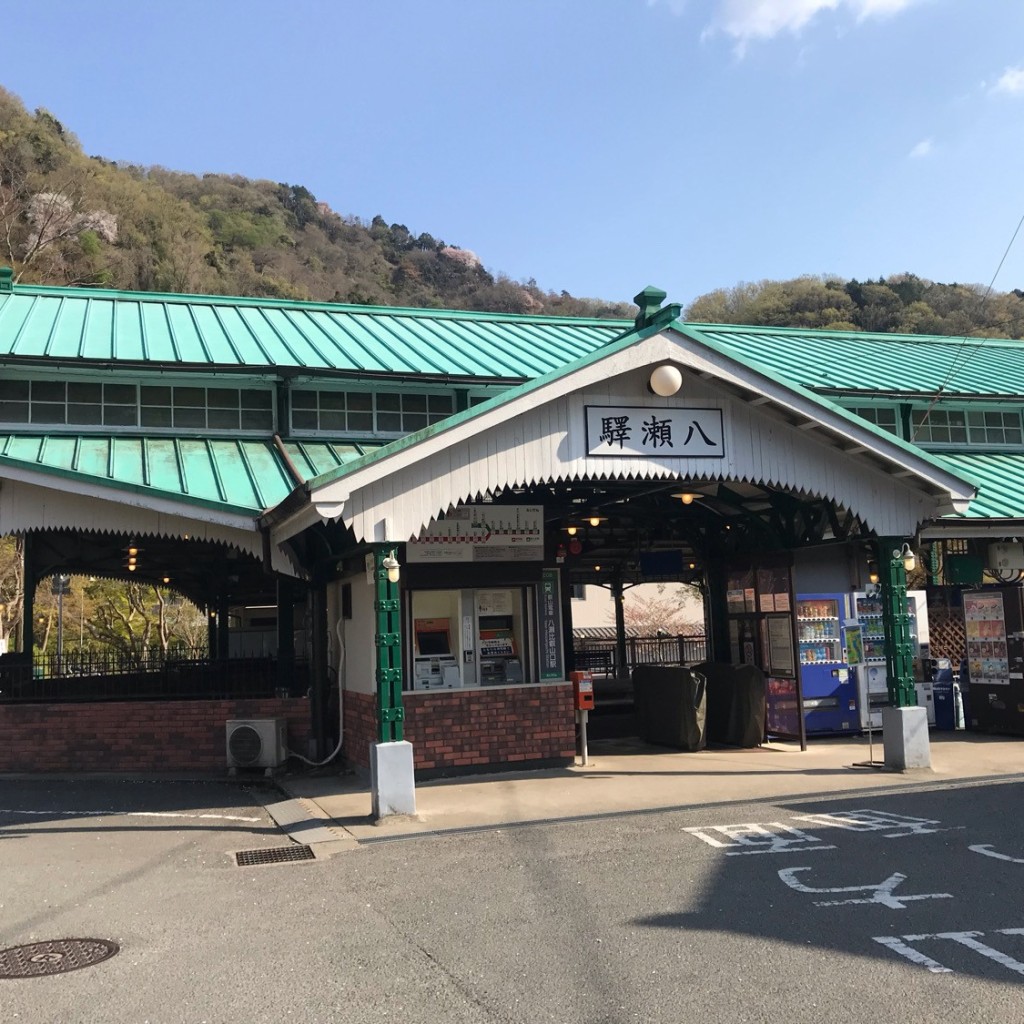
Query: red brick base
[462,729]
[150,736]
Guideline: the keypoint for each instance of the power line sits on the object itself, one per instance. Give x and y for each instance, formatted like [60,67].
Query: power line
[955,366]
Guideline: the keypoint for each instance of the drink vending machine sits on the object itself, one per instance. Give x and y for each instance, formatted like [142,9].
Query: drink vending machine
[829,691]
[872,681]
[994,621]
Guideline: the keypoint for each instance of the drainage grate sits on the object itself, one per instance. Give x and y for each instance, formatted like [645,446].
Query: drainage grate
[273,855]
[58,956]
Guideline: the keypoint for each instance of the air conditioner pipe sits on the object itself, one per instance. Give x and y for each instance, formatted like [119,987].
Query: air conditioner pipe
[340,630]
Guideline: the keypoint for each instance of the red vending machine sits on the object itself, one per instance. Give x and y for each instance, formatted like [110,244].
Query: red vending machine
[994,625]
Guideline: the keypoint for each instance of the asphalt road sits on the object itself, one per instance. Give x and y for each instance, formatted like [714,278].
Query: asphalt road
[903,906]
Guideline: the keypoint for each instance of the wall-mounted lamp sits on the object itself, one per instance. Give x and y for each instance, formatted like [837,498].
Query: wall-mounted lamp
[597,568]
[872,573]
[394,570]
[909,561]
[666,380]
[686,497]
[595,520]
[572,530]
[167,579]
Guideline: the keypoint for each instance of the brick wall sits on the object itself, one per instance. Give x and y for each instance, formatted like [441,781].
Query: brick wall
[461,729]
[144,736]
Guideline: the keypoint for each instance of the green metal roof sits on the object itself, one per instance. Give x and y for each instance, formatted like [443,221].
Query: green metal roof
[898,364]
[243,477]
[999,478]
[625,341]
[90,325]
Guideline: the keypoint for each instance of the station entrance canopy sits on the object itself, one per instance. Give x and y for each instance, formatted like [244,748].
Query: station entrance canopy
[738,460]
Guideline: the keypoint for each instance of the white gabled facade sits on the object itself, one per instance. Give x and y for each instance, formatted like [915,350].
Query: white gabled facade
[774,435]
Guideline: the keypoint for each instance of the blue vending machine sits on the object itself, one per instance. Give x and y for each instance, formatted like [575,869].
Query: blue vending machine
[828,687]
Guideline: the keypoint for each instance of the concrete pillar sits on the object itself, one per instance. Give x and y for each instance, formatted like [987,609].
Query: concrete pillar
[392,780]
[905,738]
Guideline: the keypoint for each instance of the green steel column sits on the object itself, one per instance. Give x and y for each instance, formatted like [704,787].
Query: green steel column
[618,596]
[899,648]
[390,713]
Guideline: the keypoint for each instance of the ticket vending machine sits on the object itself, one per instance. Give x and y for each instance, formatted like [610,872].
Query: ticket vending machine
[435,667]
[498,628]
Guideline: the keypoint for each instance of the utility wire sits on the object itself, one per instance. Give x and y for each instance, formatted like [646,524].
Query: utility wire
[955,366]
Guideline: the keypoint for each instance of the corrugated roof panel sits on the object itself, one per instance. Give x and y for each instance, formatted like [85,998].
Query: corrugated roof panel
[36,331]
[464,352]
[855,361]
[264,468]
[13,311]
[311,458]
[184,336]
[128,331]
[126,460]
[202,480]
[65,339]
[236,476]
[97,338]
[398,342]
[163,466]
[156,338]
[999,478]
[87,454]
[291,331]
[95,324]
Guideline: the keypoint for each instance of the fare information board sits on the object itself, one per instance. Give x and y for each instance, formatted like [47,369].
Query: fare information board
[482,533]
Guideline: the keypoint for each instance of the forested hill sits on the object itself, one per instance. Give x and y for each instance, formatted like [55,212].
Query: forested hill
[901,303]
[69,218]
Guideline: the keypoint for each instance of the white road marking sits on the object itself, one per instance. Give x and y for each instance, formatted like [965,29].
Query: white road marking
[901,945]
[778,837]
[866,820]
[986,850]
[970,940]
[881,892]
[738,840]
[913,955]
[127,814]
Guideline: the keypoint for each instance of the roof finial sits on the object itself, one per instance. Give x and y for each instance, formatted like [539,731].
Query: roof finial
[651,310]
[6,280]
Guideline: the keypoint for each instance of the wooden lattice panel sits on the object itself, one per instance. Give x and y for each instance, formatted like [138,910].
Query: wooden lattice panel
[946,633]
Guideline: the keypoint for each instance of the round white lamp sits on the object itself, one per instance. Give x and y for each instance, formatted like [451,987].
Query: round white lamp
[666,380]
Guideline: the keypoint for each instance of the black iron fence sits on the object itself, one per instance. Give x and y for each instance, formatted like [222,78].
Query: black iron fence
[599,656]
[180,674]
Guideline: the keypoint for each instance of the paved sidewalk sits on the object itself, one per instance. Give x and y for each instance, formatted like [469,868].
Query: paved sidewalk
[626,776]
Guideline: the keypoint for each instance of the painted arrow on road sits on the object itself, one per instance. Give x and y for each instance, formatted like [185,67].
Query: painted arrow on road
[986,850]
[881,892]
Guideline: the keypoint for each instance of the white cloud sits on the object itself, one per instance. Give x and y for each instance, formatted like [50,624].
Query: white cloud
[922,149]
[749,20]
[1011,82]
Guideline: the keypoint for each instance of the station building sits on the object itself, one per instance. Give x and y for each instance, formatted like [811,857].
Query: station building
[383,511]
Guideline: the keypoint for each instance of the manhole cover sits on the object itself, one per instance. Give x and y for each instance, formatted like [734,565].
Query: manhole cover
[274,855]
[58,956]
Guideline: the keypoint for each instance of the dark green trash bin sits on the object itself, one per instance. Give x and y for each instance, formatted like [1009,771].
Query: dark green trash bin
[670,706]
[735,703]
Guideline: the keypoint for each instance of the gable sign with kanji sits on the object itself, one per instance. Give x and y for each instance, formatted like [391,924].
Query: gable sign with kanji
[661,433]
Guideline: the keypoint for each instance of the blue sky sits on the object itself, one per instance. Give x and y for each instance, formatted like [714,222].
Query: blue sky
[595,145]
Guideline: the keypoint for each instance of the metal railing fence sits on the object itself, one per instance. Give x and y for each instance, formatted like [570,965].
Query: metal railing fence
[598,655]
[179,674]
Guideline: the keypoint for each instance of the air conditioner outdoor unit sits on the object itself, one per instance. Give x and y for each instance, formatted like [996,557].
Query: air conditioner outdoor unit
[1005,556]
[256,742]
